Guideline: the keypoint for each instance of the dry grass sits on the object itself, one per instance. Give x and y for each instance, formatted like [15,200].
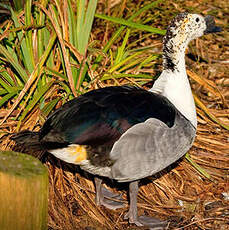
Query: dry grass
[180,193]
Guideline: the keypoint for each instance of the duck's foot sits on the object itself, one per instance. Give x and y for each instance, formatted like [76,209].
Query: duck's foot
[147,221]
[152,223]
[107,198]
[111,200]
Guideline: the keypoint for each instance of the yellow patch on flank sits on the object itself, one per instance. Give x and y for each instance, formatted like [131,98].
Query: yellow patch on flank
[79,151]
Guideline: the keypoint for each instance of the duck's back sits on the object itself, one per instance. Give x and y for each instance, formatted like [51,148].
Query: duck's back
[101,116]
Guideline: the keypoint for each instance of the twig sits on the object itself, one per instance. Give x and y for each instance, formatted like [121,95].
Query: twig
[198,221]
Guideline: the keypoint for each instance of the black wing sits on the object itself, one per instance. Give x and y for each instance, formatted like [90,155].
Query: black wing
[101,116]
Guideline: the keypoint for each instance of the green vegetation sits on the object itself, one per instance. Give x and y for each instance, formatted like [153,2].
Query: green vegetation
[46,57]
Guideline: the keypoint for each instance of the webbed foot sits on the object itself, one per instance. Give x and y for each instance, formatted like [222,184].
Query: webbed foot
[107,198]
[152,223]
[147,221]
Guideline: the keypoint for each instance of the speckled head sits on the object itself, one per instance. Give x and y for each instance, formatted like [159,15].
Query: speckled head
[182,29]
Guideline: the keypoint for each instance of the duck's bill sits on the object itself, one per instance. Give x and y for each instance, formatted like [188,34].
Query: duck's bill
[211,27]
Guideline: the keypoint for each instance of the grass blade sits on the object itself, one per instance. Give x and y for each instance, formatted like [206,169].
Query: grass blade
[23,46]
[55,73]
[210,87]
[72,25]
[28,34]
[131,24]
[123,75]
[4,99]
[119,31]
[49,106]
[115,67]
[80,22]
[210,115]
[121,49]
[86,29]
[197,167]
[14,62]
[32,77]
[35,99]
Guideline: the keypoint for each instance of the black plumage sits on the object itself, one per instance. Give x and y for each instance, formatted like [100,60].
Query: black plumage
[101,116]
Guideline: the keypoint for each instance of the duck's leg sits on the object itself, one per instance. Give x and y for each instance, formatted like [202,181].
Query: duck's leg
[132,214]
[105,197]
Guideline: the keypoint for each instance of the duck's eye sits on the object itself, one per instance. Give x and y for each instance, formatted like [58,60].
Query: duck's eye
[197,19]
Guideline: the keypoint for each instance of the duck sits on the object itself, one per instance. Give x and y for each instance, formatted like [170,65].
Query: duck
[126,133]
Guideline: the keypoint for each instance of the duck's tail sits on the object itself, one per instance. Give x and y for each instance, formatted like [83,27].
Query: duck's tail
[28,140]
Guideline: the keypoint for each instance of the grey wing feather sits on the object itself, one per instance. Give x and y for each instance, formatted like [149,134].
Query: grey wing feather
[149,147]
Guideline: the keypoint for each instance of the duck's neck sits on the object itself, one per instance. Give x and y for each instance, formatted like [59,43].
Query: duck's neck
[173,82]
[174,45]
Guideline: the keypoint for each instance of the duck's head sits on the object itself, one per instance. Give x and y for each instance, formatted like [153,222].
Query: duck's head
[182,29]
[191,26]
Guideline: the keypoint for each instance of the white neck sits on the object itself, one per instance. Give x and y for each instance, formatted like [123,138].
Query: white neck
[174,85]
[173,82]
